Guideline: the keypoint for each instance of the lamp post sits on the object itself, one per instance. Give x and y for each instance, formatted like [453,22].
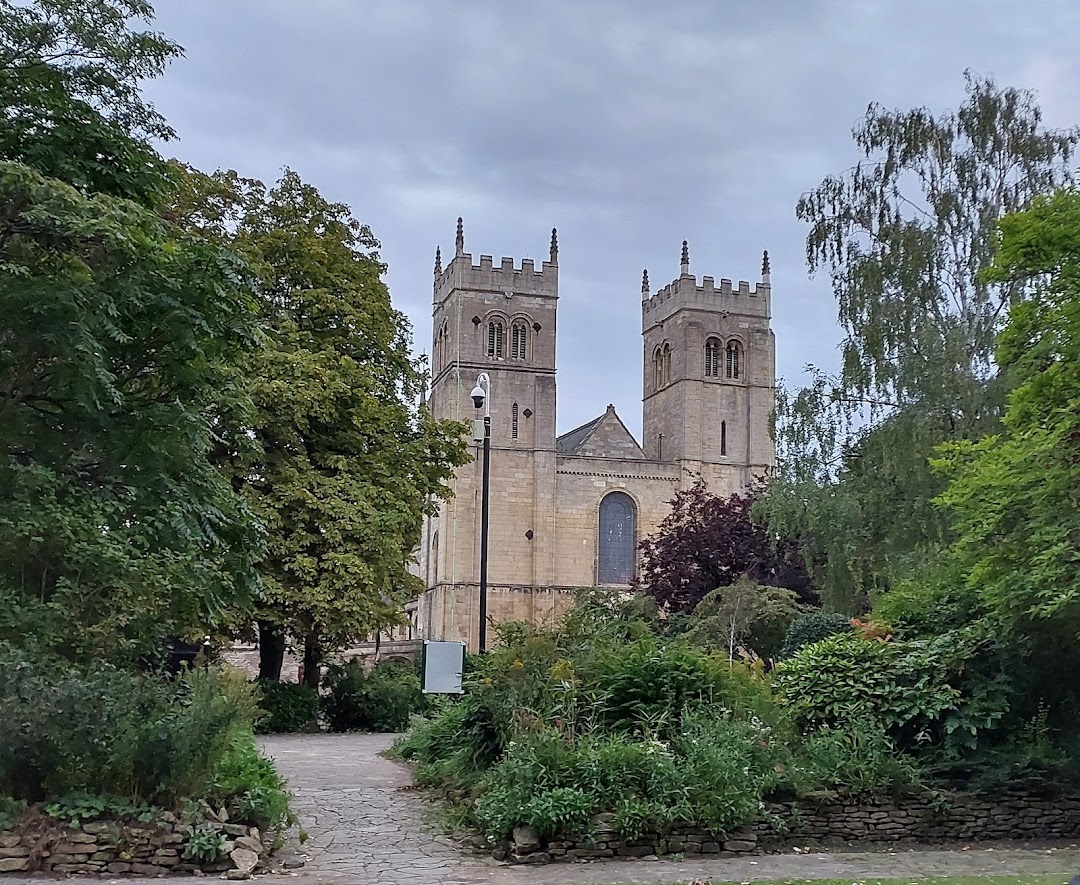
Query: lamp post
[481,397]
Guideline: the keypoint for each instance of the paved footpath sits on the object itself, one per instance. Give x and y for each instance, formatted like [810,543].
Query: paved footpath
[364,827]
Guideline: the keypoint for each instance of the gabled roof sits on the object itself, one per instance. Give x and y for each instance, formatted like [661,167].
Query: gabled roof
[568,443]
[603,437]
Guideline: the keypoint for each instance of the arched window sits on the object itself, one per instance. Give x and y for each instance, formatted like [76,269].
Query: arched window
[712,358]
[518,335]
[658,368]
[723,437]
[513,421]
[496,335]
[665,369]
[734,358]
[435,559]
[617,541]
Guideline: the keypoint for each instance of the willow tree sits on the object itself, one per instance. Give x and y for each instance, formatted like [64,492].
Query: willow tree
[905,236]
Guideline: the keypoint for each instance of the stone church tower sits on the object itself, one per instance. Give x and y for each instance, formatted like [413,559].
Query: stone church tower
[710,376]
[569,511]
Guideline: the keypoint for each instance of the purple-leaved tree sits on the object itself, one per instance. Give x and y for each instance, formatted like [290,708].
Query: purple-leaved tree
[708,542]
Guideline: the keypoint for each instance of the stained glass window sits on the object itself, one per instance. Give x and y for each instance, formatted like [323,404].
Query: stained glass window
[615,563]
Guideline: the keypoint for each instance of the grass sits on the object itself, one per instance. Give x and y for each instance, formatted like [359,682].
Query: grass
[1050,879]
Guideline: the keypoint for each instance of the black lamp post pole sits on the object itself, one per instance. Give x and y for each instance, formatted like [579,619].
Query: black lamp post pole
[484,533]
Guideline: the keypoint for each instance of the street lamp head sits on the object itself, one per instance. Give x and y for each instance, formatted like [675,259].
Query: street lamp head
[478,396]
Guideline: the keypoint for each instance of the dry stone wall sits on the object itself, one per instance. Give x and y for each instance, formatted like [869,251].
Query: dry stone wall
[947,817]
[117,848]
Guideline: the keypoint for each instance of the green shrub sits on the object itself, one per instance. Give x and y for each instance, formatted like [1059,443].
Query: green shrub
[204,843]
[855,759]
[715,773]
[246,783]
[811,628]
[452,745]
[10,812]
[78,807]
[382,700]
[744,616]
[104,740]
[287,707]
[915,691]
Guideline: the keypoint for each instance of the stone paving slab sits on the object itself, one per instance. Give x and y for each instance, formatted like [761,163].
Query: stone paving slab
[367,828]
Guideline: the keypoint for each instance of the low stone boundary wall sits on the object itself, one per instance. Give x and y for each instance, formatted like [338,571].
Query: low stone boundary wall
[942,817]
[115,848]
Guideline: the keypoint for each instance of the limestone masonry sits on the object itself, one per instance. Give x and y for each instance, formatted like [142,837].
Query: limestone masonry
[568,511]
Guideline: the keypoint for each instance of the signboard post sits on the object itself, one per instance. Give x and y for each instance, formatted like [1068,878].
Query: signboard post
[441,666]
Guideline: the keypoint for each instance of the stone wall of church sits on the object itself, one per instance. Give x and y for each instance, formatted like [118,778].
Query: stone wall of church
[452,611]
[581,484]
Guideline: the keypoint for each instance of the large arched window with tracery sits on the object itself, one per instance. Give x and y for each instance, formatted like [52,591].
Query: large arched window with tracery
[617,540]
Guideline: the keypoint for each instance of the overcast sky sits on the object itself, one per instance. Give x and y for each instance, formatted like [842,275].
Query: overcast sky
[628,124]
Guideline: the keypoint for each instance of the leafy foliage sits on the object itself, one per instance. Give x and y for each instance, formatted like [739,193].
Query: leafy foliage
[78,807]
[912,690]
[286,707]
[858,758]
[382,700]
[707,542]
[70,76]
[809,628]
[713,773]
[602,716]
[905,236]
[101,739]
[246,784]
[744,618]
[112,515]
[348,467]
[1014,496]
[204,843]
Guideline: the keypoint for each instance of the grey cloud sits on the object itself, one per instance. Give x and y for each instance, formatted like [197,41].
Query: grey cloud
[628,124]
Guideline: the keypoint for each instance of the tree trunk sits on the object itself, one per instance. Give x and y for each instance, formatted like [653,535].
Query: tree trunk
[312,660]
[271,651]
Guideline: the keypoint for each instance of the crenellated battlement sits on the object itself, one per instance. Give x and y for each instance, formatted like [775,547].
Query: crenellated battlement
[506,276]
[752,299]
[487,276]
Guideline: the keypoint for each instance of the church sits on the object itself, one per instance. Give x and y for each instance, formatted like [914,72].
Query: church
[569,511]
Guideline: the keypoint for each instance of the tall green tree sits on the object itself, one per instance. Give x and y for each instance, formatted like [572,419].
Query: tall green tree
[117,529]
[70,89]
[348,464]
[904,236]
[1015,495]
